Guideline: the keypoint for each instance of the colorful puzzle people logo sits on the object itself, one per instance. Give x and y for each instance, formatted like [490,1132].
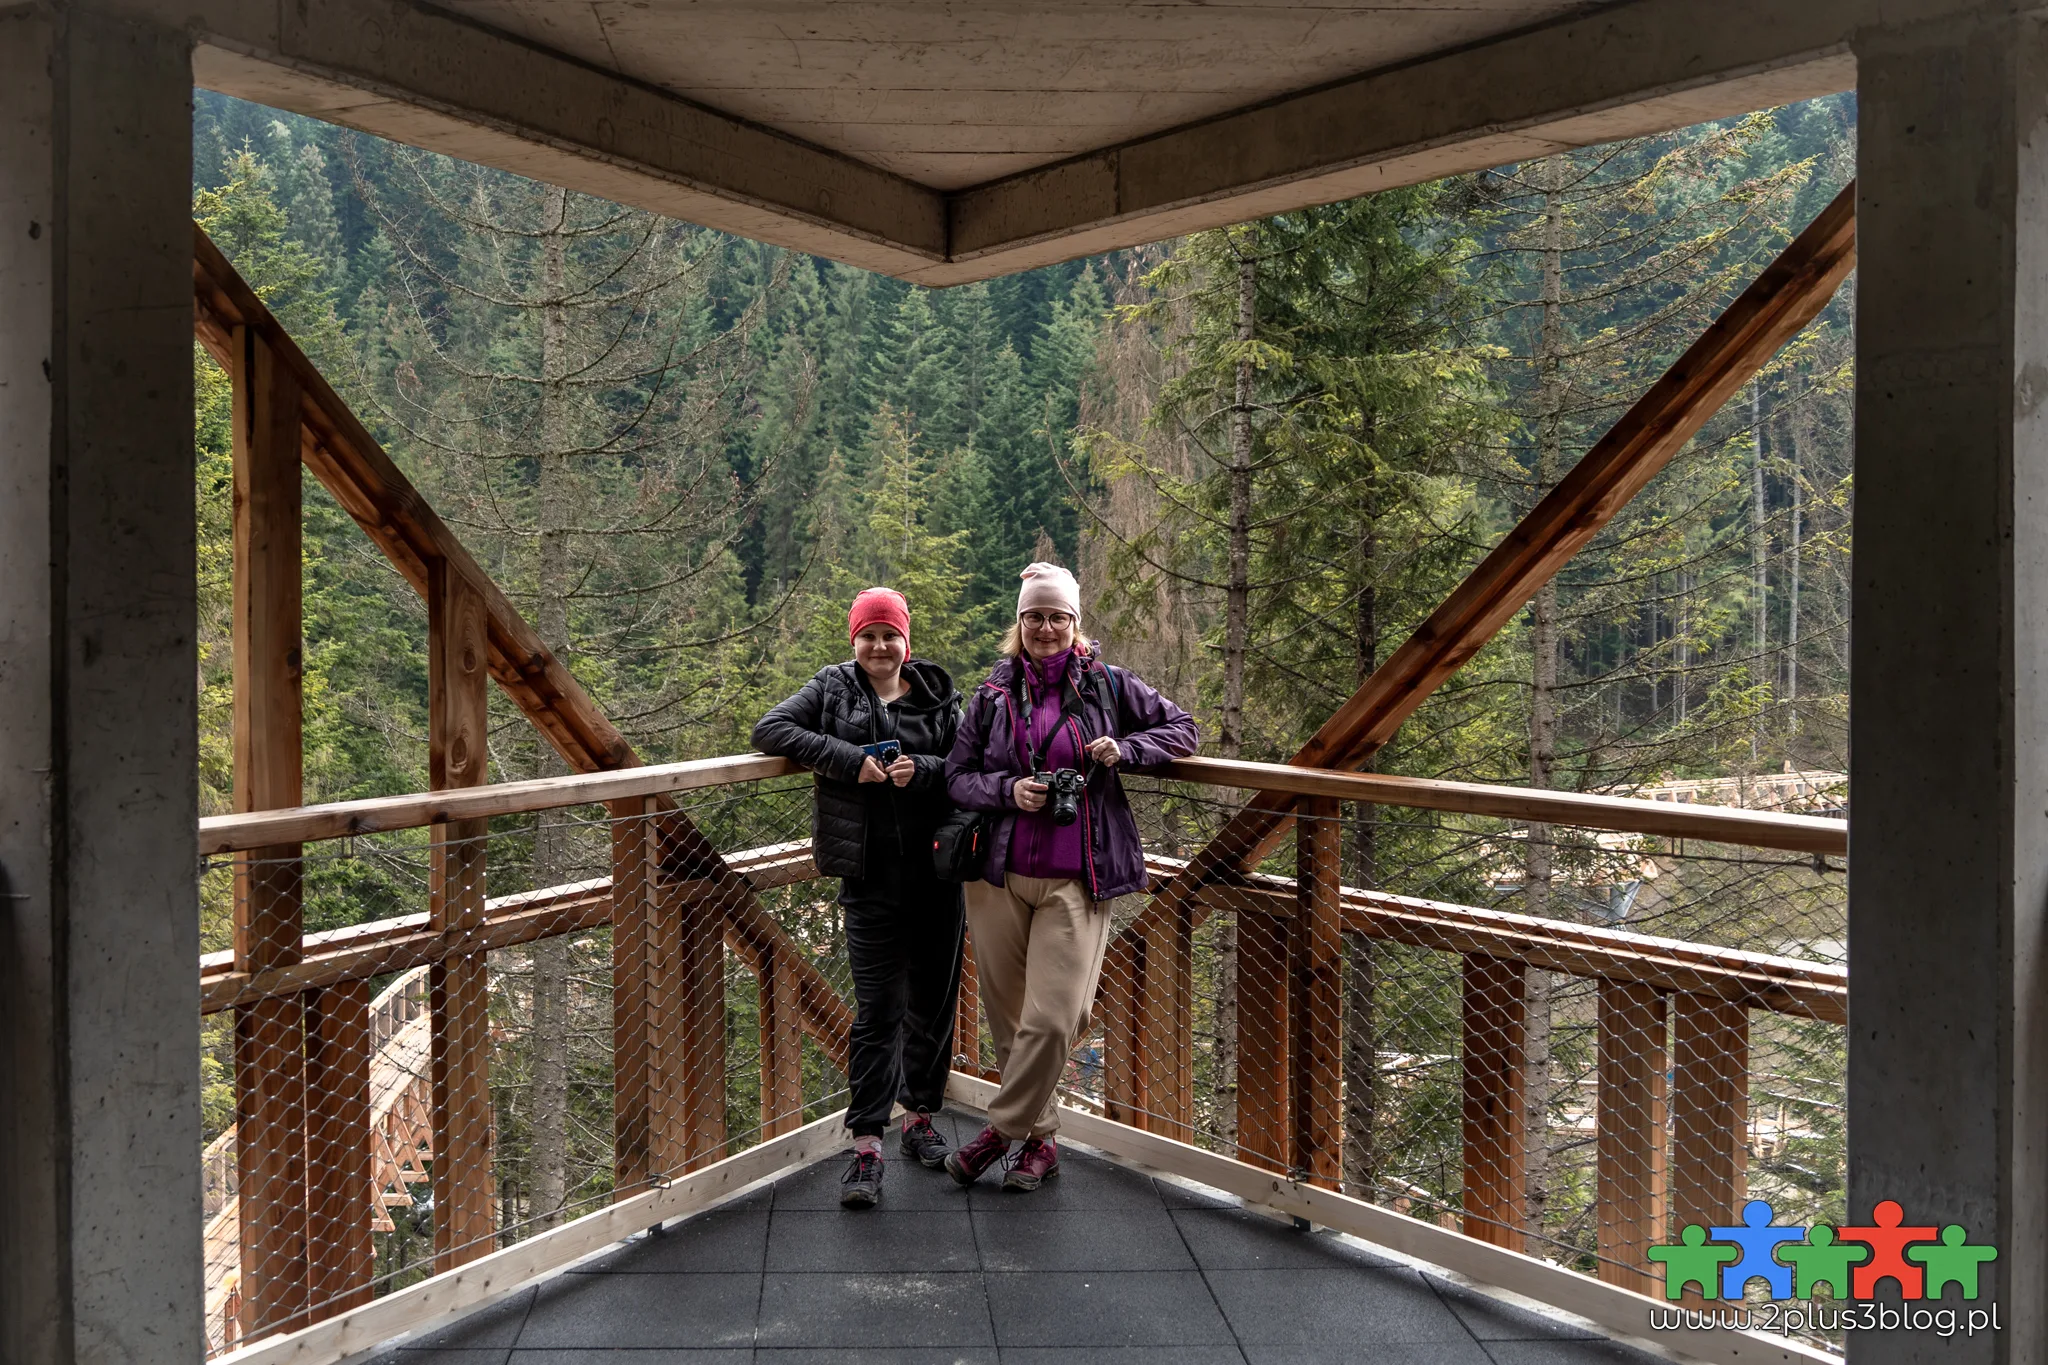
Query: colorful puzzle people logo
[1850,1261]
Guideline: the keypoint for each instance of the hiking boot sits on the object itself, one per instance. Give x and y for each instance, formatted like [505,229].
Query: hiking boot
[967,1164]
[863,1182]
[1036,1162]
[923,1142]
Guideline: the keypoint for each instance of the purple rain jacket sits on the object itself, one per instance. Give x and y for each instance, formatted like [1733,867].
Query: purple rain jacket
[989,755]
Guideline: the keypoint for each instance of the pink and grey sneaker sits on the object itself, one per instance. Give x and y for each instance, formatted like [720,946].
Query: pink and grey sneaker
[967,1163]
[1036,1162]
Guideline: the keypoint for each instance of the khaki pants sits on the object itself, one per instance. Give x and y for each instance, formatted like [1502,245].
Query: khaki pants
[1038,946]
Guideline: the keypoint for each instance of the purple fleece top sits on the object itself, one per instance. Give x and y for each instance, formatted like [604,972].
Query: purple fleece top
[1038,847]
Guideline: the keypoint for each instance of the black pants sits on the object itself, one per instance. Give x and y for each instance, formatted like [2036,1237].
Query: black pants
[904,933]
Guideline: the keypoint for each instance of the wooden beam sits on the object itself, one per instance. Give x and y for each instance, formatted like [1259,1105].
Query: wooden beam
[782,1049]
[1162,1052]
[1116,1002]
[690,1001]
[465,1227]
[634,961]
[1629,815]
[1495,1011]
[270,1075]
[383,814]
[967,1014]
[1629,1144]
[1709,1109]
[1316,977]
[1790,293]
[1265,953]
[339,1172]
[363,479]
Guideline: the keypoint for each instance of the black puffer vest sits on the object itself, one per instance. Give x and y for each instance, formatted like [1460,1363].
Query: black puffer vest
[824,726]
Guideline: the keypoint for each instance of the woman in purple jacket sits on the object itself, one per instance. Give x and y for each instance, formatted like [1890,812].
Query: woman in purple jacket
[1060,852]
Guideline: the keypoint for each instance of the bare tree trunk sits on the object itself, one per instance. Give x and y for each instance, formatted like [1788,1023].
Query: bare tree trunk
[1799,433]
[1759,546]
[1361,979]
[1237,602]
[1537,868]
[1236,630]
[551,853]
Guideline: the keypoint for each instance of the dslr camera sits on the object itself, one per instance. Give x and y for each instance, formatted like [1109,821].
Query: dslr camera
[1063,794]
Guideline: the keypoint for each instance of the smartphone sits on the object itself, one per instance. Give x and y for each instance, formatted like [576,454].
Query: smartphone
[884,753]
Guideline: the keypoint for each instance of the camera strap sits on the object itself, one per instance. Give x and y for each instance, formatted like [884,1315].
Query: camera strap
[1067,713]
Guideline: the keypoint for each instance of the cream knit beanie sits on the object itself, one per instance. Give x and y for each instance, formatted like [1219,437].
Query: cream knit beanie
[1048,587]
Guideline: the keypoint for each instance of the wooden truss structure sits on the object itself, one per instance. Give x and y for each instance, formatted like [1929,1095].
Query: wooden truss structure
[675,904]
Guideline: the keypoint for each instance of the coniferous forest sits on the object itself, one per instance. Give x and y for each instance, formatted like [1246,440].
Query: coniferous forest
[1268,451]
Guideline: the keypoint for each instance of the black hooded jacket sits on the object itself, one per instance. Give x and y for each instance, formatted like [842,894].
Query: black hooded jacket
[824,726]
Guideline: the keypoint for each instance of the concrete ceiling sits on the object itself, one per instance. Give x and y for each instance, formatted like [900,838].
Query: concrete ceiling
[948,141]
[957,94]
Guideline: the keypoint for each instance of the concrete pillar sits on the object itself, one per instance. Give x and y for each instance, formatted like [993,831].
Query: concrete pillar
[1949,716]
[99,1064]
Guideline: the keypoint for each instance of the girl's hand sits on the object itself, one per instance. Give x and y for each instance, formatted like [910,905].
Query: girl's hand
[902,770]
[871,771]
[1104,751]
[1027,794]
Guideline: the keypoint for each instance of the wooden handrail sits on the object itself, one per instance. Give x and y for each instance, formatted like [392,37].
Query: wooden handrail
[1764,981]
[1631,815]
[415,810]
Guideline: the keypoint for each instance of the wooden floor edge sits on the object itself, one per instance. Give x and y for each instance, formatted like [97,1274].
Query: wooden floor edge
[442,1298]
[1615,1309]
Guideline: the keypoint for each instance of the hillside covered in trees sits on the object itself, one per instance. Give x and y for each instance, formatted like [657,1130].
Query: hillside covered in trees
[1269,449]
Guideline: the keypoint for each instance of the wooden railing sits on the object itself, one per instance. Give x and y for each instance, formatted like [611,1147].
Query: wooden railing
[669,998]
[302,1038]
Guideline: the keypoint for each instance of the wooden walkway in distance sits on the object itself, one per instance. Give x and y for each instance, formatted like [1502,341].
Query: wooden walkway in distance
[1102,1264]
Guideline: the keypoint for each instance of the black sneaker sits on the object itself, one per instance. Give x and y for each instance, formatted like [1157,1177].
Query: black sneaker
[863,1181]
[926,1144]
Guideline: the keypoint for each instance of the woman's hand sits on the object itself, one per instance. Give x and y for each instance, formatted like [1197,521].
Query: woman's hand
[1027,794]
[902,770]
[1104,750]
[871,771]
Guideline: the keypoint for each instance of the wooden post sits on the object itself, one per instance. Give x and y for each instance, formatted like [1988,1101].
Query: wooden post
[457,651]
[1496,1020]
[690,998]
[1316,1043]
[339,1176]
[967,1015]
[270,1058]
[1117,1005]
[1629,1147]
[1164,1053]
[634,960]
[1265,1135]
[782,1049]
[1709,1108]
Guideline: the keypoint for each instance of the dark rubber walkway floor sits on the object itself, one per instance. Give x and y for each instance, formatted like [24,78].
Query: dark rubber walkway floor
[1102,1264]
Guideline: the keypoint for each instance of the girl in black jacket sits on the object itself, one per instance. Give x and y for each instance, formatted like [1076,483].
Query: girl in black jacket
[871,826]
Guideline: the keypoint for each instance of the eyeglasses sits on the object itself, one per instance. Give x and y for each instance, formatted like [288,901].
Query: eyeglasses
[1039,620]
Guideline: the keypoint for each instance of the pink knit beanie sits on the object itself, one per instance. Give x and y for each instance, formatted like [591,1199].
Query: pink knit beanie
[1048,587]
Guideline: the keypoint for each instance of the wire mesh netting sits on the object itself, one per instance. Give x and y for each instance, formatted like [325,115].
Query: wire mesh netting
[506,1027]
[425,1045]
[1576,1066]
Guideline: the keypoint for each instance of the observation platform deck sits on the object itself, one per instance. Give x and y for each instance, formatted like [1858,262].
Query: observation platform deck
[1104,1263]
